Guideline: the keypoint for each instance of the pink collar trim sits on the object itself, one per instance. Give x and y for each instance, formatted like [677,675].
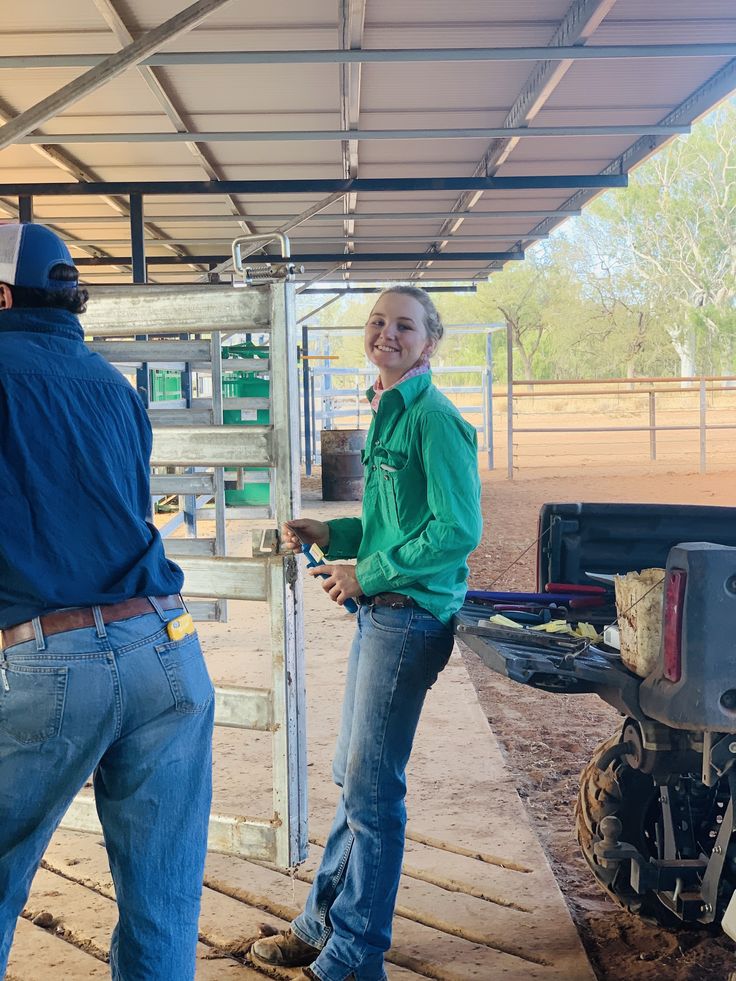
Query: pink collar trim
[420,368]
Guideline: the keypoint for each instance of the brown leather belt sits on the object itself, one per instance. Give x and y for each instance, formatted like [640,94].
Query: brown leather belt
[395,600]
[57,623]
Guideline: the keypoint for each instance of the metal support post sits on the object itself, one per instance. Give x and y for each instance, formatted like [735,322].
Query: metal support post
[703,426]
[307,414]
[313,414]
[652,426]
[488,376]
[138,251]
[25,209]
[509,402]
[285,593]
[326,387]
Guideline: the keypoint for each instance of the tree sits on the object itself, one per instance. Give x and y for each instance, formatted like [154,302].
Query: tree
[673,234]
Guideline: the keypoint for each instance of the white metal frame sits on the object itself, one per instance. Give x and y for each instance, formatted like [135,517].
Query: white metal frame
[269,577]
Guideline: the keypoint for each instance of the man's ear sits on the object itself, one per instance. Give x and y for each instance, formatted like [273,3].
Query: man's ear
[6,297]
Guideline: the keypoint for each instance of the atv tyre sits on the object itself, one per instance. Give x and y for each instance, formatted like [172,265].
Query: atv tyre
[632,797]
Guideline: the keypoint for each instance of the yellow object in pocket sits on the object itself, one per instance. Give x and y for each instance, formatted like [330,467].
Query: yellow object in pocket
[180,627]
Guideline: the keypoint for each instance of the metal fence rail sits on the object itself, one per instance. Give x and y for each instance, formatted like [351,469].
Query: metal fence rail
[681,420]
[334,397]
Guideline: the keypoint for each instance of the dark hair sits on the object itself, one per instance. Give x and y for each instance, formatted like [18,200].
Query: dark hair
[71,298]
[74,300]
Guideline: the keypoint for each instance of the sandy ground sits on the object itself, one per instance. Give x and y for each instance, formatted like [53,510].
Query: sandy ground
[468,908]
[548,738]
[477,901]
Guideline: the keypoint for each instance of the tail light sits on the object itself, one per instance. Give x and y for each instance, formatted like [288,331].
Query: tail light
[674,601]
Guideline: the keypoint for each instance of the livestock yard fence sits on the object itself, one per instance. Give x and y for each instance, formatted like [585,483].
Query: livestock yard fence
[620,424]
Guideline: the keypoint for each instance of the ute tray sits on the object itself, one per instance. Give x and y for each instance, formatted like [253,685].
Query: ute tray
[552,662]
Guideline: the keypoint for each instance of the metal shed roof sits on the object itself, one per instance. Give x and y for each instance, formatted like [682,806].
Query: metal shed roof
[375,104]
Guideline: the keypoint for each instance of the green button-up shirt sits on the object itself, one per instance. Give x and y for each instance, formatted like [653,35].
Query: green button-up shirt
[421,504]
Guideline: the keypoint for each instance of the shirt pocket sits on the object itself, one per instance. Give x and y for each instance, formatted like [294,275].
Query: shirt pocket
[33,709]
[397,482]
[185,668]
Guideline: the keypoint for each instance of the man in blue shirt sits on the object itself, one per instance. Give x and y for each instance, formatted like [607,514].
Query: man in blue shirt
[100,666]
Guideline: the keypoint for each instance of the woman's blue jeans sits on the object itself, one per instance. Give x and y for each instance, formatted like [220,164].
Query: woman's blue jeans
[124,701]
[395,658]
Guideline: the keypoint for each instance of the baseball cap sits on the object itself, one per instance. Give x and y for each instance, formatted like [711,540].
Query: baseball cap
[28,255]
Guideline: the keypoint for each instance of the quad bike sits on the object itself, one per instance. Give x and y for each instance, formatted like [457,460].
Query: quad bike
[656,811]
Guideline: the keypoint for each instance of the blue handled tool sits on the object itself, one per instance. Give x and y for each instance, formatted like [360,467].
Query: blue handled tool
[312,561]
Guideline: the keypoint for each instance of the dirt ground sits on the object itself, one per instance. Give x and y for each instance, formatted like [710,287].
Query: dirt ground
[548,741]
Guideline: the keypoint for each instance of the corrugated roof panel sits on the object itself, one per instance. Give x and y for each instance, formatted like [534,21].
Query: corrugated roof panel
[275,36]
[206,89]
[437,153]
[478,11]
[146,15]
[488,112]
[454,33]
[267,154]
[248,119]
[602,83]
[667,31]
[667,11]
[304,97]
[24,89]
[77,15]
[447,86]
[282,170]
[578,149]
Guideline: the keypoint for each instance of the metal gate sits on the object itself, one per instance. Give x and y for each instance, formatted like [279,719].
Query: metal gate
[133,325]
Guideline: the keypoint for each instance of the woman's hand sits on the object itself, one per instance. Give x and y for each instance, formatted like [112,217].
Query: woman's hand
[307,531]
[341,583]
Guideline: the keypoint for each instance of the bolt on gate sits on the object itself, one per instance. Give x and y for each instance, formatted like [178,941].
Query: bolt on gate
[194,441]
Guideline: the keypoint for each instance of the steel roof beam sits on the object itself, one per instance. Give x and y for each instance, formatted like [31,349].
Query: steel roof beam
[577,26]
[329,257]
[351,26]
[106,70]
[330,241]
[320,185]
[66,162]
[180,219]
[348,291]
[613,52]
[338,135]
[116,24]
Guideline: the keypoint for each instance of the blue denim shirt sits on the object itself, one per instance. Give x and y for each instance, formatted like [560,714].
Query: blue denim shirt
[75,443]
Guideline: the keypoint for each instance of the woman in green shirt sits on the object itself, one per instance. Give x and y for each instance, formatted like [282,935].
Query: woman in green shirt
[420,520]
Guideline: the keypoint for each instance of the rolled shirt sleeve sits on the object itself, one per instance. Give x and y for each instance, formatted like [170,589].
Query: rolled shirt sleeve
[346,534]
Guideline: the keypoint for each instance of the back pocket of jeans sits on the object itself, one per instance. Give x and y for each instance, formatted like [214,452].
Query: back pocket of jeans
[33,709]
[189,680]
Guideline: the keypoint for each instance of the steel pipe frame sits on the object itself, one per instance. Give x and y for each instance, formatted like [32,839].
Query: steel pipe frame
[339,135]
[362,56]
[169,260]
[320,185]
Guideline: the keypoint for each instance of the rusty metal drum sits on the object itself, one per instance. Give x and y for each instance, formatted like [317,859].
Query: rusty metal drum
[342,467]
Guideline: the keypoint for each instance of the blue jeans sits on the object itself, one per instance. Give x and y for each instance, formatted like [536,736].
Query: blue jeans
[136,708]
[395,658]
